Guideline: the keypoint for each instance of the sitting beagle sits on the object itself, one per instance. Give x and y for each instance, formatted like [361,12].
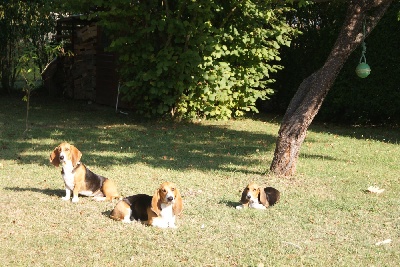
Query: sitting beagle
[257,198]
[158,210]
[78,178]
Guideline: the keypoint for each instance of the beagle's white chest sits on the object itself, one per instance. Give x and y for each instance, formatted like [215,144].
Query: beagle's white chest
[167,213]
[167,217]
[68,175]
[256,205]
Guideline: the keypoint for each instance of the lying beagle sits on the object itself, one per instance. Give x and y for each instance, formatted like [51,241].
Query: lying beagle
[258,198]
[158,210]
[78,178]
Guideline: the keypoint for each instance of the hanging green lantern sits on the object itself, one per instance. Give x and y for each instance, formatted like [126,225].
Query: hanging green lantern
[363,69]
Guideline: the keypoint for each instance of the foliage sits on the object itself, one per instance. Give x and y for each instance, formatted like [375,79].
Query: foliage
[195,58]
[23,24]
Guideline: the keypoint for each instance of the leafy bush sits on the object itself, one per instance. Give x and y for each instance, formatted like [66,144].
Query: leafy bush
[195,58]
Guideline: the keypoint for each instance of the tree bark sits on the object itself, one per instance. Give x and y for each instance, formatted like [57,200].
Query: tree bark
[308,99]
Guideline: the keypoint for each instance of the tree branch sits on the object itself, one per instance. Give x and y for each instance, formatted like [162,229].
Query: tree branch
[376,15]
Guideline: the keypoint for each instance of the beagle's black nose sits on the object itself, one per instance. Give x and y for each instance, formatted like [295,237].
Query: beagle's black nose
[170,198]
[248,196]
[61,157]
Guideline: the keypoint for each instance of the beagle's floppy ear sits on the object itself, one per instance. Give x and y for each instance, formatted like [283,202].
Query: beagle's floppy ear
[244,199]
[156,203]
[262,197]
[75,155]
[55,157]
[178,205]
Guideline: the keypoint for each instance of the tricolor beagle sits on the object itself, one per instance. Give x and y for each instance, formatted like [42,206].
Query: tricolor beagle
[258,198]
[78,178]
[158,210]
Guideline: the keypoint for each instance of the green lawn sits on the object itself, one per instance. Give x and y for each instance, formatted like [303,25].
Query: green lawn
[324,218]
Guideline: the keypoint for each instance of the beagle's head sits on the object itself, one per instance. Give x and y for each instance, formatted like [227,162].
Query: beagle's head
[167,194]
[253,194]
[64,153]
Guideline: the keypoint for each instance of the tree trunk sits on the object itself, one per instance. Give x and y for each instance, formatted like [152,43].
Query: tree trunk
[308,99]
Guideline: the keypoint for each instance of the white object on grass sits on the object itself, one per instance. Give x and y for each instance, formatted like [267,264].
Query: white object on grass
[386,241]
[375,189]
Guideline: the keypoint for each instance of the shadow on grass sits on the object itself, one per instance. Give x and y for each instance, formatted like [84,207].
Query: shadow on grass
[49,192]
[381,133]
[229,203]
[107,139]
[320,157]
[106,213]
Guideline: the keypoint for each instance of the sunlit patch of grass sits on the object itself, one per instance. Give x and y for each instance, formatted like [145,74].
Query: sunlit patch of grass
[324,217]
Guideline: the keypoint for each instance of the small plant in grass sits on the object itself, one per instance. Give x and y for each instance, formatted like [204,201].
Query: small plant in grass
[30,72]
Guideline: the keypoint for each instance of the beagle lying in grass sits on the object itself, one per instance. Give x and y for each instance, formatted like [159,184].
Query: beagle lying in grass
[158,210]
[78,178]
[258,198]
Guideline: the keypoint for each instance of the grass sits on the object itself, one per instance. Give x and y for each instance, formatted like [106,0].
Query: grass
[324,218]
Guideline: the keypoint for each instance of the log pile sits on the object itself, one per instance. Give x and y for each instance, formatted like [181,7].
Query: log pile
[82,81]
[84,70]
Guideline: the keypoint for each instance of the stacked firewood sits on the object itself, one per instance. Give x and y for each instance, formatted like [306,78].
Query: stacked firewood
[73,74]
[83,68]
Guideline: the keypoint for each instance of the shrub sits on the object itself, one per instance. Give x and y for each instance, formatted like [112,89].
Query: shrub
[195,58]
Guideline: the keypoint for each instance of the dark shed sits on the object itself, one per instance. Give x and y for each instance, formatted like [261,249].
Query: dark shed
[89,73]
